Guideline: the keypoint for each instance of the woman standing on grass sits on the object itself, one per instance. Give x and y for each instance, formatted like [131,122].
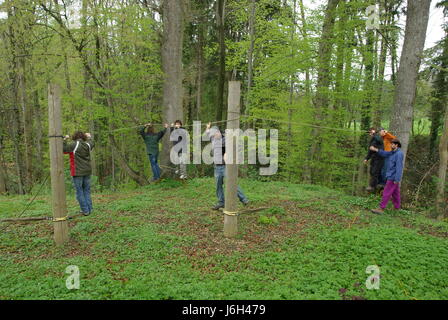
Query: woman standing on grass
[80,167]
[152,146]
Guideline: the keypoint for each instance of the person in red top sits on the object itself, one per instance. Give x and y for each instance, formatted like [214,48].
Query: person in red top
[80,167]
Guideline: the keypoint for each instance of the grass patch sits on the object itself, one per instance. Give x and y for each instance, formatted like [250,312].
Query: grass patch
[162,241]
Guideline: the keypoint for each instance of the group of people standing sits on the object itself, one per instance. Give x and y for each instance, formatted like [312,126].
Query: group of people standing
[215,135]
[386,167]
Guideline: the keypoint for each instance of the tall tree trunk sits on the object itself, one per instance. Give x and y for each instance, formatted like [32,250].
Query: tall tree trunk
[16,132]
[201,65]
[38,137]
[440,96]
[340,58]
[88,87]
[304,32]
[441,200]
[378,111]
[3,173]
[414,41]
[27,125]
[393,40]
[250,54]
[366,108]
[173,29]
[321,100]
[220,19]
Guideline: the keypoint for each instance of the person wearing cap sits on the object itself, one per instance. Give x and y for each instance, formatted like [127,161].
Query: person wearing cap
[393,175]
[377,162]
[387,141]
[152,139]
[219,154]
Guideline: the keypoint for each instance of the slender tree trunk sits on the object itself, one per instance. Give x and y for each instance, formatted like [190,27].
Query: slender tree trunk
[378,110]
[38,137]
[440,96]
[173,29]
[201,64]
[347,84]
[16,132]
[366,108]
[321,100]
[394,35]
[3,173]
[220,19]
[441,200]
[414,41]
[305,38]
[341,41]
[27,125]
[250,55]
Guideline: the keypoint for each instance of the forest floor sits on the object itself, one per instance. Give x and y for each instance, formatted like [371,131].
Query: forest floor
[163,241]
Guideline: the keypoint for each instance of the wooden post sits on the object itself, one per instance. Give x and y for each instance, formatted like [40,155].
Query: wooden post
[231,179]
[57,164]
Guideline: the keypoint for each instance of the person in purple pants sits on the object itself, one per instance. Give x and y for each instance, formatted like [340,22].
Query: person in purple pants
[394,174]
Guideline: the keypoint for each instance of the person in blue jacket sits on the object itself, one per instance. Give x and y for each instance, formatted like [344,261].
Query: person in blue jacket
[394,174]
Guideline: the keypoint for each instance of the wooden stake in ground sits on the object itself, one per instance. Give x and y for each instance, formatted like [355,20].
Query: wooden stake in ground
[57,164]
[231,179]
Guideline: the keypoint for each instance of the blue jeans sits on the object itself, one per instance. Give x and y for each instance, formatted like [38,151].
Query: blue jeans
[219,178]
[154,166]
[82,187]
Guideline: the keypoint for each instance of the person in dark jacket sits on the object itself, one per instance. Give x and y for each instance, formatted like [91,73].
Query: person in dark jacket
[80,167]
[219,152]
[152,146]
[181,134]
[394,174]
[377,162]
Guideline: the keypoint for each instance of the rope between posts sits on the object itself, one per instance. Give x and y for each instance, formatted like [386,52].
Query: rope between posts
[310,125]
[250,118]
[161,124]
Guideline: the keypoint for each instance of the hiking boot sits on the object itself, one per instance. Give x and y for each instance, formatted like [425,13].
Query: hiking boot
[378,211]
[246,203]
[369,188]
[218,206]
[177,171]
[183,176]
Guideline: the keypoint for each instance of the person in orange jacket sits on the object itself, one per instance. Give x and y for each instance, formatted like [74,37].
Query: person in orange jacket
[387,141]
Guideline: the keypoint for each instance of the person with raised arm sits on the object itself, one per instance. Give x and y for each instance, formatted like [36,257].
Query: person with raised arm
[181,141]
[394,174]
[377,162]
[219,154]
[81,167]
[152,139]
